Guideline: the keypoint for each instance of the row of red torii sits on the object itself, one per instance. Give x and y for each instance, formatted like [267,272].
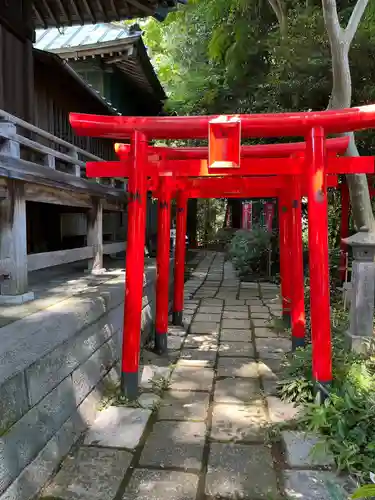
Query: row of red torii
[226,169]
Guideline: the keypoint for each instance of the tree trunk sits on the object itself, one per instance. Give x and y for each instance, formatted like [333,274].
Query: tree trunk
[341,97]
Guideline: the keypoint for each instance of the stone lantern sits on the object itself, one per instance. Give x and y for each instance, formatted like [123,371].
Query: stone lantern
[363,289]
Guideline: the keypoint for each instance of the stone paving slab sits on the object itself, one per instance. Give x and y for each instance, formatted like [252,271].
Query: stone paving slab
[270,368]
[150,374]
[228,334]
[239,471]
[280,411]
[258,309]
[238,391]
[239,423]
[175,444]
[254,302]
[151,358]
[261,315]
[236,314]
[299,447]
[161,485]
[118,427]
[237,367]
[210,309]
[264,332]
[208,317]
[175,342]
[202,342]
[191,378]
[236,324]
[212,302]
[258,322]
[93,474]
[236,349]
[234,302]
[204,328]
[278,345]
[197,357]
[308,485]
[237,309]
[180,405]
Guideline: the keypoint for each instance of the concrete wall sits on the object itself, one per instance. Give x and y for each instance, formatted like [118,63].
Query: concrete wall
[50,391]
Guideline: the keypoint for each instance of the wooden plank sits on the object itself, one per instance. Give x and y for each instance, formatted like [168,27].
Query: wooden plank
[113,205]
[95,234]
[30,172]
[45,194]
[116,247]
[44,150]
[13,245]
[46,135]
[5,266]
[49,259]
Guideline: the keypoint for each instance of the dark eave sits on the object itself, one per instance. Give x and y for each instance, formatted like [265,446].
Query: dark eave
[59,66]
[59,13]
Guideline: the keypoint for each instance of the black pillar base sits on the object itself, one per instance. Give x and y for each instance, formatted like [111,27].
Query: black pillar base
[129,385]
[286,319]
[321,391]
[297,342]
[161,343]
[177,318]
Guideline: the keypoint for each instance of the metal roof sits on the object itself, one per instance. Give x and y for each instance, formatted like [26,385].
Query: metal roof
[53,39]
[57,13]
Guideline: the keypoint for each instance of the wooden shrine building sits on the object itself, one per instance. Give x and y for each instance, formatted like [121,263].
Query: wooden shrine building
[50,213]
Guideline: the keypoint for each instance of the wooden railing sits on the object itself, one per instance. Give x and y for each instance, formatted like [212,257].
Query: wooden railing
[43,260]
[38,166]
[26,141]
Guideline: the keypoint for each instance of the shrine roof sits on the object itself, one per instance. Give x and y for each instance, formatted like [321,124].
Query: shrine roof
[115,46]
[58,13]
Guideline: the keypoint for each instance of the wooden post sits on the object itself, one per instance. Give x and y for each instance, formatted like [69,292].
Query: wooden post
[13,244]
[318,259]
[95,235]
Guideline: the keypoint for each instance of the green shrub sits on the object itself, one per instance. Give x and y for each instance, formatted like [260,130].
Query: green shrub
[225,235]
[346,417]
[248,251]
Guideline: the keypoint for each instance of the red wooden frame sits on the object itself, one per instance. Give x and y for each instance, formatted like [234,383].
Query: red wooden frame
[308,173]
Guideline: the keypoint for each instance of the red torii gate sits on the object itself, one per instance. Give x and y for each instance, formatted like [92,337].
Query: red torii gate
[224,156]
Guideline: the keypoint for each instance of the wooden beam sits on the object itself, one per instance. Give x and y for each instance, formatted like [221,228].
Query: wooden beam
[64,11]
[115,10]
[50,13]
[111,248]
[45,194]
[90,11]
[39,16]
[38,174]
[76,11]
[103,10]
[140,6]
[43,260]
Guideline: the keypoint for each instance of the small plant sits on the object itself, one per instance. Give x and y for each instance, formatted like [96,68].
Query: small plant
[367,490]
[160,384]
[248,251]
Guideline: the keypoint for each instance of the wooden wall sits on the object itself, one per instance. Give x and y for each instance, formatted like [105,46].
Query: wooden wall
[16,74]
[56,95]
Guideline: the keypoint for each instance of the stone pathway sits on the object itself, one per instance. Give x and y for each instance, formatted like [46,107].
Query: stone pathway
[201,429]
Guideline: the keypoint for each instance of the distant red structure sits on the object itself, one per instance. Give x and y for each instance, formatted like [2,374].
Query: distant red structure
[227,169]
